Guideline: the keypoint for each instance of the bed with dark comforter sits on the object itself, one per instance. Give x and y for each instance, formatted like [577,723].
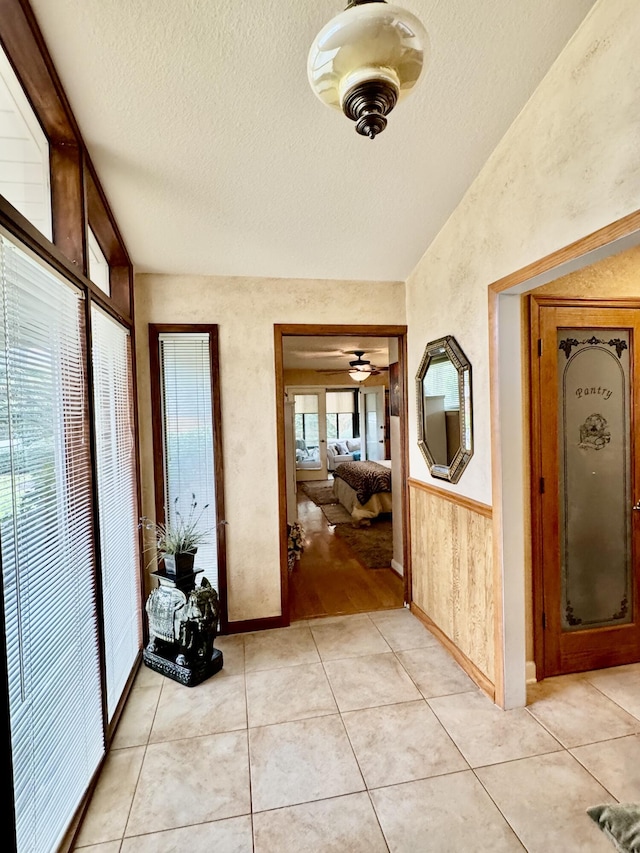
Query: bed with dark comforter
[363,488]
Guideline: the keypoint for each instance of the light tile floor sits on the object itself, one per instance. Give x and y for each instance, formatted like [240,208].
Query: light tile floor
[359,734]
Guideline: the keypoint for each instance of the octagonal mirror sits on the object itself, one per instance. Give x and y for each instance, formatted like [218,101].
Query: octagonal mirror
[443,386]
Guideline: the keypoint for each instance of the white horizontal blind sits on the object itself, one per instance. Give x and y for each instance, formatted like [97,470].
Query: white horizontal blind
[47,563]
[442,380]
[187,422]
[117,500]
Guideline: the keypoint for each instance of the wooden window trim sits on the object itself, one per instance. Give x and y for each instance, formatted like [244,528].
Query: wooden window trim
[77,198]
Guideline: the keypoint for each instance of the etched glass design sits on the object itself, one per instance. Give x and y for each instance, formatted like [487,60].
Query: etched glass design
[595,487]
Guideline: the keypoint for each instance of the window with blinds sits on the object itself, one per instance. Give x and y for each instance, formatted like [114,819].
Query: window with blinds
[117,500]
[187,437]
[55,694]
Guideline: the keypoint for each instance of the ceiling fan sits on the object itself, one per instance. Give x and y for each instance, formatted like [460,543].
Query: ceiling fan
[358,365]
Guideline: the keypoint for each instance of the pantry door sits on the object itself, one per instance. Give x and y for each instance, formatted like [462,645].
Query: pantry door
[586,399]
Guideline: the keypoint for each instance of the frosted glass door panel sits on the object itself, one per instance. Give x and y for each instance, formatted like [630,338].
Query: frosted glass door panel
[595,477]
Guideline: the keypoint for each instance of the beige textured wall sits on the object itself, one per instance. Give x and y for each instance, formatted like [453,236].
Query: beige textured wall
[568,166]
[245,311]
[614,277]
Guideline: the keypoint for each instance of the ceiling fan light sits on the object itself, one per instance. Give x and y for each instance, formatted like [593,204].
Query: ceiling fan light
[366,59]
[359,375]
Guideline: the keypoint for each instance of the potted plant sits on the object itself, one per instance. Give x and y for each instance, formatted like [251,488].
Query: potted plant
[295,543]
[176,542]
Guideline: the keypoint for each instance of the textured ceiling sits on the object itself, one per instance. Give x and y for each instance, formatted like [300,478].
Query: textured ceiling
[306,352]
[217,159]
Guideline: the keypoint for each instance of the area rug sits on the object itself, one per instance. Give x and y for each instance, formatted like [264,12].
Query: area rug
[319,491]
[373,545]
[336,514]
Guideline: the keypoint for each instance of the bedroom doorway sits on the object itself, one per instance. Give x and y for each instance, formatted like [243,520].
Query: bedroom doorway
[335,575]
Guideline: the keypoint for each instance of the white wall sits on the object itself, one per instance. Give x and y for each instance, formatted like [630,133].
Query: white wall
[567,166]
[246,311]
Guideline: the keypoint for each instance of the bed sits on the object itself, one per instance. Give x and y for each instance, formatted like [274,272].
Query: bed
[363,489]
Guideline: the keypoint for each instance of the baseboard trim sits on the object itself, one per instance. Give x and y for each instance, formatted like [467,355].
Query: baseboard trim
[467,665]
[530,672]
[243,626]
[397,568]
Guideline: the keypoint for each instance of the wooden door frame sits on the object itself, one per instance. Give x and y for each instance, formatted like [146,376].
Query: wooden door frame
[535,419]
[508,550]
[283,330]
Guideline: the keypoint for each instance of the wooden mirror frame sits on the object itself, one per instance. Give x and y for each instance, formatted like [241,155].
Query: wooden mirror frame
[450,347]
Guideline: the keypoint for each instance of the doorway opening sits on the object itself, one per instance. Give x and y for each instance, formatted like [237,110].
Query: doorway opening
[355,556]
[521,630]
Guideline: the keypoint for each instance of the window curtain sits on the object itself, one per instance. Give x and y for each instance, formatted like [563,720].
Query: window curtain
[49,594]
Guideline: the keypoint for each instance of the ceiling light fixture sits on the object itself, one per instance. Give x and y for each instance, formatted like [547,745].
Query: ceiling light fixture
[366,59]
[359,375]
[360,368]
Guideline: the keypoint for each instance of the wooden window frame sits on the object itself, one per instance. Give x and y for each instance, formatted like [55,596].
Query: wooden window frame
[78,203]
[77,198]
[155,330]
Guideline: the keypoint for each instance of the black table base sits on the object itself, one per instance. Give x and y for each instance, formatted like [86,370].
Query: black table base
[188,674]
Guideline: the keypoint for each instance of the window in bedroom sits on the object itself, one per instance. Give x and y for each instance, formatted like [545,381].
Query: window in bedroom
[24,153]
[342,414]
[307,419]
[187,442]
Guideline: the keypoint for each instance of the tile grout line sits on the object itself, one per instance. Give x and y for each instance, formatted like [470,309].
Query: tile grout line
[346,731]
[506,820]
[615,702]
[246,710]
[144,756]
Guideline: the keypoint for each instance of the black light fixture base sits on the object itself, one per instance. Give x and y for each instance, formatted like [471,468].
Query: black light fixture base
[368,104]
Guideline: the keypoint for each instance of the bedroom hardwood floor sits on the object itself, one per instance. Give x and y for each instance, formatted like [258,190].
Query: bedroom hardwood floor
[329,581]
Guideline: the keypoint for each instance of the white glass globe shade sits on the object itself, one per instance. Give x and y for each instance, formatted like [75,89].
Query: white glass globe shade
[369,42]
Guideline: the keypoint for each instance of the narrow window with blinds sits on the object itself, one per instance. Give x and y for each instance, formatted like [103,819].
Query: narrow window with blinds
[187,437]
[49,596]
[117,500]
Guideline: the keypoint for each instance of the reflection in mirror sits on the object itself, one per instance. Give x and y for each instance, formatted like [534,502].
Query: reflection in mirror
[443,385]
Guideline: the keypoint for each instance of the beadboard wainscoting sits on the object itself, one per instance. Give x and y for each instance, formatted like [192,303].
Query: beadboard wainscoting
[452,571]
